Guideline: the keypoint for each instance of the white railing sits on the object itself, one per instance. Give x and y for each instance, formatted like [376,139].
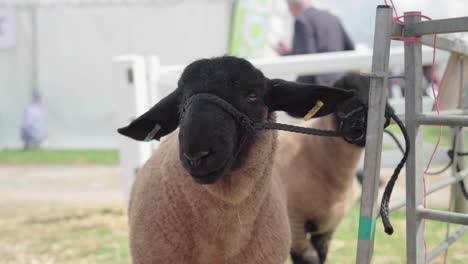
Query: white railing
[149,82]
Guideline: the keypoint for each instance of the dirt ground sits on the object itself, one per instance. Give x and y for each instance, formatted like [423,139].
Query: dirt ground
[62,214]
[59,184]
[101,185]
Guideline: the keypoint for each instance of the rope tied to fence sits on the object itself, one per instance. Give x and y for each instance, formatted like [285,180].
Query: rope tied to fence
[384,210]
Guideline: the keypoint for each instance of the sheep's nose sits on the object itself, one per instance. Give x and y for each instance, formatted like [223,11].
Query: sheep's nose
[196,158]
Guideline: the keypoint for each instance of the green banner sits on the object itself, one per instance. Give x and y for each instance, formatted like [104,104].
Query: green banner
[250,27]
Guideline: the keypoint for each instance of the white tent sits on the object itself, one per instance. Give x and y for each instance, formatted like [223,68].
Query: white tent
[66,52]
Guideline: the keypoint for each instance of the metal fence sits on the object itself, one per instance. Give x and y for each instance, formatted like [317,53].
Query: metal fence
[416,213]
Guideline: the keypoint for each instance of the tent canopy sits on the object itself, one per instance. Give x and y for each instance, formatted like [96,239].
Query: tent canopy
[81,3]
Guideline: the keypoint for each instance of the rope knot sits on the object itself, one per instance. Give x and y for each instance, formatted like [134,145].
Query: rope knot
[248,124]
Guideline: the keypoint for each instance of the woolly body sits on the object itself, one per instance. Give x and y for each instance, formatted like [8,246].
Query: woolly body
[209,194]
[318,175]
[239,219]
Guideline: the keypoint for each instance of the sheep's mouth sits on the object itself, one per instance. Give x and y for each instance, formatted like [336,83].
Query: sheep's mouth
[212,176]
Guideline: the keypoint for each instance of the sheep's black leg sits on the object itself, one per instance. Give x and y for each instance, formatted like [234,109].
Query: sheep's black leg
[321,243]
[309,257]
[302,251]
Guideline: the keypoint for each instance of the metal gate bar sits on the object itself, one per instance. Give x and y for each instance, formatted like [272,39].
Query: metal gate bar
[415,211]
[377,98]
[439,26]
[433,188]
[445,244]
[448,120]
[455,46]
[414,173]
[442,216]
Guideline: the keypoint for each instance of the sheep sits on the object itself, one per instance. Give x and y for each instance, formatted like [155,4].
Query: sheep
[209,193]
[319,173]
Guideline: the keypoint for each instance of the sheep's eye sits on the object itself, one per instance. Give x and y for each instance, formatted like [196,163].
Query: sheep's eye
[252,97]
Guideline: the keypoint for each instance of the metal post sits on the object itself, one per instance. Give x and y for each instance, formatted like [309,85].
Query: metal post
[377,99]
[414,173]
[460,204]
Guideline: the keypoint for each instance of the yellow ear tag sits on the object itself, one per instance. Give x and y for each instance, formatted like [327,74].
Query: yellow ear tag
[319,104]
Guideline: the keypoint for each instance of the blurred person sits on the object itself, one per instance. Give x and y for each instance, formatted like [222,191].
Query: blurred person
[315,31]
[33,130]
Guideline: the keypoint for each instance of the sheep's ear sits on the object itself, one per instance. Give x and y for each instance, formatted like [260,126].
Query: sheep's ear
[297,99]
[160,120]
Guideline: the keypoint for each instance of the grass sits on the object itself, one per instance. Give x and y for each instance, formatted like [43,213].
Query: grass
[391,249]
[99,235]
[101,156]
[65,235]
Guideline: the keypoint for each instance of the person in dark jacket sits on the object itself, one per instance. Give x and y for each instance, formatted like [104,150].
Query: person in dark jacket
[315,31]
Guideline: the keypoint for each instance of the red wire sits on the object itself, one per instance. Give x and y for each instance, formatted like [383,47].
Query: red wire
[393,6]
[397,19]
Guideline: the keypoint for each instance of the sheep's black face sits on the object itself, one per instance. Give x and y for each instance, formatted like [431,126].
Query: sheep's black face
[210,138]
[352,114]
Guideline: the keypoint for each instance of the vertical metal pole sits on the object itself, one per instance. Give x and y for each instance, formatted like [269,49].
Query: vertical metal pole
[460,203]
[414,173]
[376,119]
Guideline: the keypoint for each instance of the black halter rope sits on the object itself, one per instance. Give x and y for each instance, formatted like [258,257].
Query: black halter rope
[252,127]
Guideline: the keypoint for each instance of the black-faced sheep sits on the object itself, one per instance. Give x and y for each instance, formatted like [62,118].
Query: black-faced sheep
[209,194]
[319,173]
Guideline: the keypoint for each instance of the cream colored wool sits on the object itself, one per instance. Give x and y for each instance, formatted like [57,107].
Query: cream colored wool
[319,177]
[242,218]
